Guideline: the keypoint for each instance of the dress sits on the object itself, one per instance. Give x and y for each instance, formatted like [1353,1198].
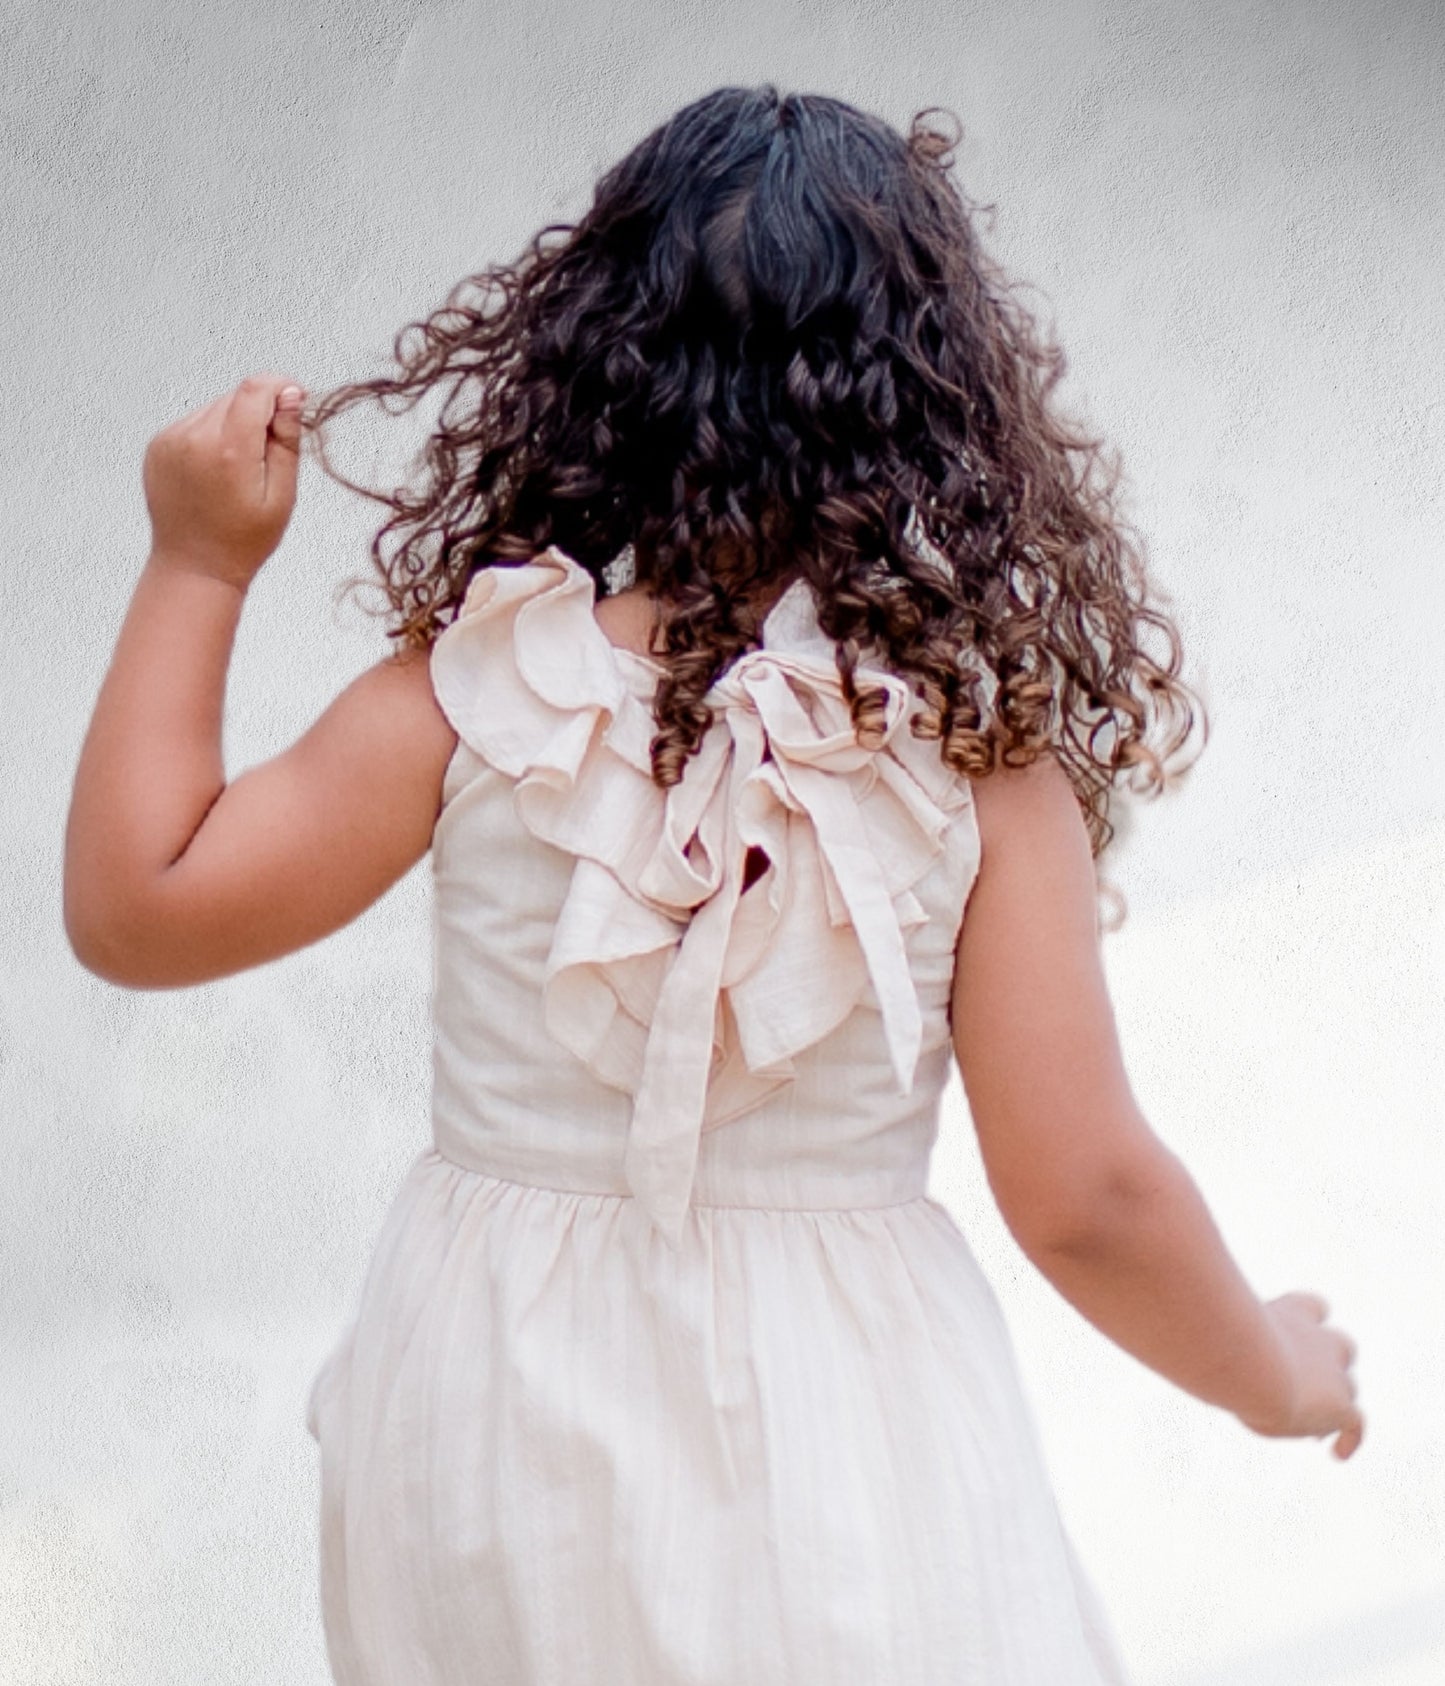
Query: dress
[667,1371]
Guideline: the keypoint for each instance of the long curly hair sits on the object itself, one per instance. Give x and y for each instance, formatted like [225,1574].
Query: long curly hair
[773,347]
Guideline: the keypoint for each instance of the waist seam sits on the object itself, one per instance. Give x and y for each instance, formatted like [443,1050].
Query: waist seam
[696,1204]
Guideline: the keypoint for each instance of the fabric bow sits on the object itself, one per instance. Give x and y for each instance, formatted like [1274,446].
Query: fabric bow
[664,976]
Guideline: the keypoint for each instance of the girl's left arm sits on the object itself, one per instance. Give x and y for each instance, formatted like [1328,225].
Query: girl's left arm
[173,875]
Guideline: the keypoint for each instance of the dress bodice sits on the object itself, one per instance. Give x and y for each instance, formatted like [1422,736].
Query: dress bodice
[609,992]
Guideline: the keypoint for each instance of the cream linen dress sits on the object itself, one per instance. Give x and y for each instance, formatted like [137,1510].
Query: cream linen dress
[667,1370]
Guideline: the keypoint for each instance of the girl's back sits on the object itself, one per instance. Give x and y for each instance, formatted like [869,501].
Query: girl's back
[708,1386]
[667,1368]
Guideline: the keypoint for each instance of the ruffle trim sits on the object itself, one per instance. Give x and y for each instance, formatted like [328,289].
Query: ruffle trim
[665,977]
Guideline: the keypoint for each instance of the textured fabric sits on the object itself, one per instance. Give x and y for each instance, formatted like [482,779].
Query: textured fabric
[667,1370]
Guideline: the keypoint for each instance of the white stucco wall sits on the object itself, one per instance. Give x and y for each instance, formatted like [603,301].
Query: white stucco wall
[1234,213]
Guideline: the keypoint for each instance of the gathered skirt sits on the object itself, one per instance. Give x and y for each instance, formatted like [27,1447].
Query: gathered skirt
[797,1450]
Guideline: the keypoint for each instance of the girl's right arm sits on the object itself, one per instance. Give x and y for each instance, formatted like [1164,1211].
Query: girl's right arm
[1096,1201]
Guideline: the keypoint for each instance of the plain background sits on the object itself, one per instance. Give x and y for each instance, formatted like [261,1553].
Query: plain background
[1232,215]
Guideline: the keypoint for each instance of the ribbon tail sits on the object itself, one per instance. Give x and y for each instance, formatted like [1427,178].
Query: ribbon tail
[660,1159]
[845,846]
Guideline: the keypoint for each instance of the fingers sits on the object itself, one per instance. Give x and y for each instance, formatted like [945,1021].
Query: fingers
[283,446]
[246,413]
[1353,1431]
[222,480]
[286,421]
[1350,1438]
[263,420]
[250,410]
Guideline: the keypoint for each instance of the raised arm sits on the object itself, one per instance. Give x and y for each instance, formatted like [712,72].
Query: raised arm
[172,874]
[1097,1202]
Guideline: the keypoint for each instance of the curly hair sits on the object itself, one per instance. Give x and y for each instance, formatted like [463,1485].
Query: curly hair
[772,347]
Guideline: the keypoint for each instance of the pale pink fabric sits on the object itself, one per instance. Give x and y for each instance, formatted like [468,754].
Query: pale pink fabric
[667,1370]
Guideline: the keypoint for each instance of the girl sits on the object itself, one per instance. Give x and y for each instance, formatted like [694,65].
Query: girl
[769,655]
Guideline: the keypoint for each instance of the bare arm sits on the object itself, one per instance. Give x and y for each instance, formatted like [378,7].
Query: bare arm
[173,875]
[1096,1201]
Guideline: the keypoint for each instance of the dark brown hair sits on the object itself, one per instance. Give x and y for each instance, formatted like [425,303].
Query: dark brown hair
[772,347]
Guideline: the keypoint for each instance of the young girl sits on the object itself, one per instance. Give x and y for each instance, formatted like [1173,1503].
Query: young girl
[770,652]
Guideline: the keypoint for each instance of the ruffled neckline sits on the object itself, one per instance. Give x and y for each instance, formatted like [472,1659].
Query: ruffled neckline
[791,623]
[665,977]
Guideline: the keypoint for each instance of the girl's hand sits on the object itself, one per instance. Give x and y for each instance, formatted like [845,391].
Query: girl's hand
[1320,1359]
[220,483]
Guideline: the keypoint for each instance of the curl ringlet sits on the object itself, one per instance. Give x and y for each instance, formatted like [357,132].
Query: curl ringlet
[774,345]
